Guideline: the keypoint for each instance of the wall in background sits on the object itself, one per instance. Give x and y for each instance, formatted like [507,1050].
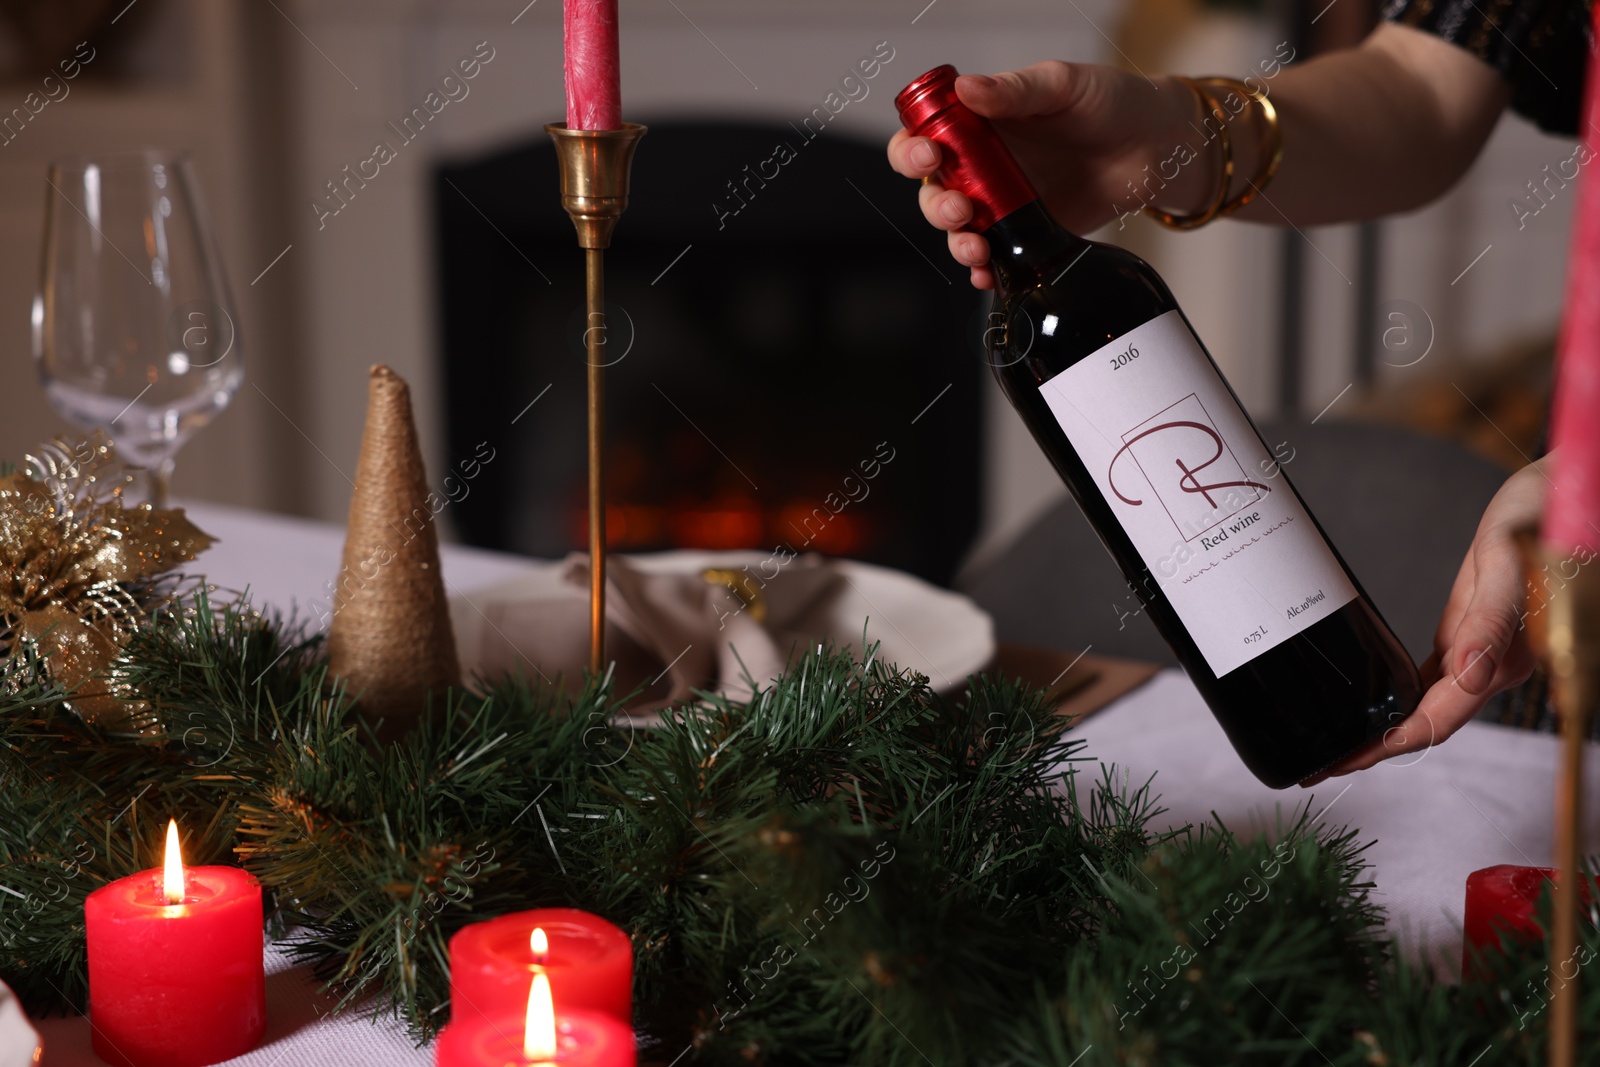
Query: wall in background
[195,75]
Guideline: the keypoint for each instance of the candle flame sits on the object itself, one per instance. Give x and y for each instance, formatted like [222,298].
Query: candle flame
[172,877]
[539,1036]
[540,944]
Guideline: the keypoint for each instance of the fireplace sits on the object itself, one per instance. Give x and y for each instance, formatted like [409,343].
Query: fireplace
[792,355]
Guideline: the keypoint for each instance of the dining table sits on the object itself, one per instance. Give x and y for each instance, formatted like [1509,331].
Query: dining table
[1432,817]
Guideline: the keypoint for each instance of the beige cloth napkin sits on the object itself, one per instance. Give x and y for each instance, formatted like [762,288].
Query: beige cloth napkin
[668,633]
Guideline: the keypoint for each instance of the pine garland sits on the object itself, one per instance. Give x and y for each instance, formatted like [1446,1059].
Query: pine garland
[848,868]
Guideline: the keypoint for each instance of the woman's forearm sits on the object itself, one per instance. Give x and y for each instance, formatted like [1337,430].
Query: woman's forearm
[1369,131]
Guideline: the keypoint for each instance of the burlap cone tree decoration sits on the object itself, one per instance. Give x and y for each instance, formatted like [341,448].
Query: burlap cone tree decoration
[391,638]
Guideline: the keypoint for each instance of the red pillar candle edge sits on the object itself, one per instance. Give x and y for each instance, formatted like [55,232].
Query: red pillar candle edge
[176,985]
[590,964]
[593,66]
[1502,904]
[583,1039]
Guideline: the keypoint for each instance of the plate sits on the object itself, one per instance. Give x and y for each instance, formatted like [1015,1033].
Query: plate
[919,626]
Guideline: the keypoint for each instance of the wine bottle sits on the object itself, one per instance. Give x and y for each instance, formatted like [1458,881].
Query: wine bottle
[1092,350]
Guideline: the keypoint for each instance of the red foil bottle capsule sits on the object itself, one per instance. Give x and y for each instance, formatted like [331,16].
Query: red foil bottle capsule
[973,159]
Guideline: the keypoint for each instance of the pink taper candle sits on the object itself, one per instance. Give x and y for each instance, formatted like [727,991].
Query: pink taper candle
[1572,512]
[594,81]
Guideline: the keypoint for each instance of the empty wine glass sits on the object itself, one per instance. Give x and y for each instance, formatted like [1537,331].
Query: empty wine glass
[134,329]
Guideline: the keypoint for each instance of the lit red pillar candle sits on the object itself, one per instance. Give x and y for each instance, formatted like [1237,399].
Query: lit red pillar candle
[537,1037]
[1572,510]
[176,976]
[593,70]
[589,960]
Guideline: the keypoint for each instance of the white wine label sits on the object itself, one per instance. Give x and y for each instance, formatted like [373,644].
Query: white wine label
[1206,506]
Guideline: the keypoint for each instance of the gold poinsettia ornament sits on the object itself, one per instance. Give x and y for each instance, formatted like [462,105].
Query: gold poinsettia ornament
[80,573]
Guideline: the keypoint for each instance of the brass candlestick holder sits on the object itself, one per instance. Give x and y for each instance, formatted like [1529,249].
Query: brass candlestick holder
[595,167]
[1565,633]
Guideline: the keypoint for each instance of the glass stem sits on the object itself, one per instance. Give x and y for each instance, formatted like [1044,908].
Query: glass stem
[160,481]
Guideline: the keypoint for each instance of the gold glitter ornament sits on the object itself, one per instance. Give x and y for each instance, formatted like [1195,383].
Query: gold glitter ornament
[80,573]
[390,638]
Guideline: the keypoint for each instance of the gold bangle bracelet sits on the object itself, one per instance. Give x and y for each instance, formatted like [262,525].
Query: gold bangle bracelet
[1273,152]
[1208,104]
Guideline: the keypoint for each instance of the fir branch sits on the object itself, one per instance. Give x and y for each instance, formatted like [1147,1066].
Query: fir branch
[847,868]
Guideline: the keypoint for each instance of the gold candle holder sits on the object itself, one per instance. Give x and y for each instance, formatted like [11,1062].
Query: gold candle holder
[1564,631]
[595,168]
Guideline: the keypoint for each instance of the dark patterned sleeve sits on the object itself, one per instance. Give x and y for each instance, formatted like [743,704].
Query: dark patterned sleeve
[1540,47]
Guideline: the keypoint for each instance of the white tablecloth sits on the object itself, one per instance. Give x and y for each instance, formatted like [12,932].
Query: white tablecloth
[291,563]
[1482,799]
